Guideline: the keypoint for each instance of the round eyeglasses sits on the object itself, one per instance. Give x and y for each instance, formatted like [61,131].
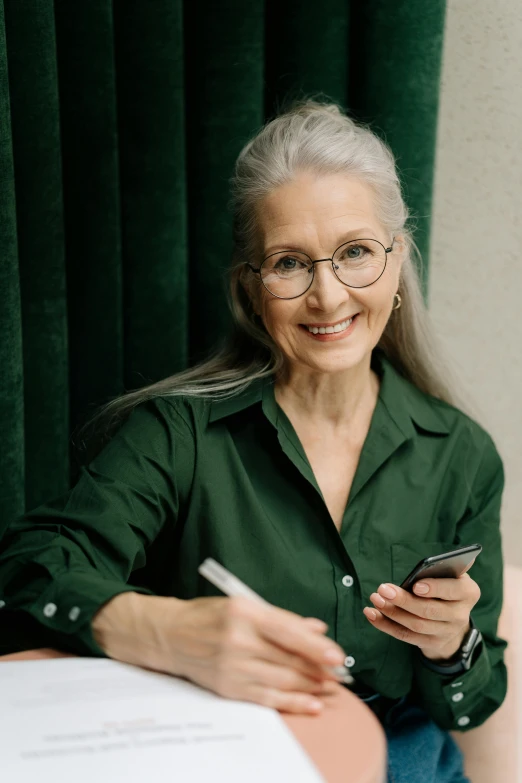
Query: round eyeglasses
[288,274]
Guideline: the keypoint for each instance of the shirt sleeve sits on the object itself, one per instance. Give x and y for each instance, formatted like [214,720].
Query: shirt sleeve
[60,562]
[463,701]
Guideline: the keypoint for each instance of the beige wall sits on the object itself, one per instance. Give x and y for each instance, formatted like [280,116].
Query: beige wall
[476,258]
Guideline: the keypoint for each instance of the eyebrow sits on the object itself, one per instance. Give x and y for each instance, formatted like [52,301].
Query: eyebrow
[363,232]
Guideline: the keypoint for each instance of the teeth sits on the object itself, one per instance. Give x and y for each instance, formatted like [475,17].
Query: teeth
[330,329]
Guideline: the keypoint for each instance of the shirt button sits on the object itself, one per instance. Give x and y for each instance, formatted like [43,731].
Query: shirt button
[457,697]
[49,610]
[463,721]
[2,604]
[74,613]
[347,580]
[349,661]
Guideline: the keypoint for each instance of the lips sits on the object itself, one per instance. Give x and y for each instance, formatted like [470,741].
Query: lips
[330,334]
[340,321]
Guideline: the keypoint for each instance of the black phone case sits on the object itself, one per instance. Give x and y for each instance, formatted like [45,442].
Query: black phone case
[445,566]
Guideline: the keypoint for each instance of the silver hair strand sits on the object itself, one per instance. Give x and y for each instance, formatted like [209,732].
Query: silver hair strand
[318,138]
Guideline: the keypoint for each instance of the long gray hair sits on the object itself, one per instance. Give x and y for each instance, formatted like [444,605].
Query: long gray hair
[315,137]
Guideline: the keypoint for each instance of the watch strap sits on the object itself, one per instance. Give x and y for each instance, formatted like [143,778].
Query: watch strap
[461,661]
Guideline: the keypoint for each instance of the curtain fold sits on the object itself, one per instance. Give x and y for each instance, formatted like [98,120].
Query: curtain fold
[120,121]
[307,51]
[224,106]
[149,74]
[35,129]
[91,198]
[395,59]
[12,459]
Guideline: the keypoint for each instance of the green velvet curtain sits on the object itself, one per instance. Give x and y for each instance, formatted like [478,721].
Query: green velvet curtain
[120,121]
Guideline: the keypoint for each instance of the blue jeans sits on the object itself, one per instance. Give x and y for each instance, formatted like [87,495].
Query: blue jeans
[419,751]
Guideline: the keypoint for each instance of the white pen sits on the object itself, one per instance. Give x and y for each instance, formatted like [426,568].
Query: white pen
[232,586]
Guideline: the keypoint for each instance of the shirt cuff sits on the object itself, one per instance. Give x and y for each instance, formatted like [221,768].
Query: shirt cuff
[69,604]
[451,700]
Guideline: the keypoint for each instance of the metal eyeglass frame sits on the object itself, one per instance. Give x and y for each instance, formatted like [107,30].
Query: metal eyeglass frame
[320,260]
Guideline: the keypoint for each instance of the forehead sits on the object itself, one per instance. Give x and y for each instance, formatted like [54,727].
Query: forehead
[315,208]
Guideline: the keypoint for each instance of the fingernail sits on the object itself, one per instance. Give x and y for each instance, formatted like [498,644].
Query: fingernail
[370,614]
[387,591]
[378,600]
[314,705]
[421,587]
[340,671]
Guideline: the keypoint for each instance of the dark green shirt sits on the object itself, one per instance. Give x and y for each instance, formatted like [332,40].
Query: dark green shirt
[185,479]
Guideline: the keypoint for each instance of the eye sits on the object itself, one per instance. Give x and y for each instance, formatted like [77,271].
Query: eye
[356,255]
[286,263]
[354,252]
[289,263]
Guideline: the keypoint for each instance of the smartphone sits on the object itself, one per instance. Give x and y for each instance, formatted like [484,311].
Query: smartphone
[448,565]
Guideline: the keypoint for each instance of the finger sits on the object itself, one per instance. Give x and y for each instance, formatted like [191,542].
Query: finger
[322,688]
[399,631]
[449,590]
[316,649]
[463,588]
[315,624]
[417,623]
[287,630]
[246,636]
[285,701]
[426,609]
[280,677]
[271,652]
[329,688]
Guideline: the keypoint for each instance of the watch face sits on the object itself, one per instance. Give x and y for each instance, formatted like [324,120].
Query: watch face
[470,642]
[477,646]
[463,658]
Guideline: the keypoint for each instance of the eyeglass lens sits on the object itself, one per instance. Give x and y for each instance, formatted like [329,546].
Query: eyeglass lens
[358,263]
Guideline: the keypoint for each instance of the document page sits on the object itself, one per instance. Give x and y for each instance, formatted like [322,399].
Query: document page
[92,720]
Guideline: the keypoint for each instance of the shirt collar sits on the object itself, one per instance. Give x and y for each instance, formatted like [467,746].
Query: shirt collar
[403,401]
[226,407]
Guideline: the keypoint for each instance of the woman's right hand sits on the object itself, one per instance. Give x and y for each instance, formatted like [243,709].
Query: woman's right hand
[235,647]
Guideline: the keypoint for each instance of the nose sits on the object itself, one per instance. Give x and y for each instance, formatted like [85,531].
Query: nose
[326,291]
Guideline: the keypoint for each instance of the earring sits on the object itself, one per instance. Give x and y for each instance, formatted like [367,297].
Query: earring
[399,302]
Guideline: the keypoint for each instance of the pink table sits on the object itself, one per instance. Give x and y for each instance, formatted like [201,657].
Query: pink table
[346,741]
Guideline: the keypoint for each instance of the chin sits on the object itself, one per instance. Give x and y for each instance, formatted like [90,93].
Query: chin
[340,362]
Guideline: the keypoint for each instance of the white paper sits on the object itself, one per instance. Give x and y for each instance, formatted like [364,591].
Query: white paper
[92,720]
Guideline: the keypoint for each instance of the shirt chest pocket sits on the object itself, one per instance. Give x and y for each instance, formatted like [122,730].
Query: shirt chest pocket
[397,667]
[405,556]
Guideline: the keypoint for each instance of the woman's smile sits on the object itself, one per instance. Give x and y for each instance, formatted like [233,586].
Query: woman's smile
[326,334]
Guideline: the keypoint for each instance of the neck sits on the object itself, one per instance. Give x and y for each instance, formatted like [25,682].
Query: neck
[333,400]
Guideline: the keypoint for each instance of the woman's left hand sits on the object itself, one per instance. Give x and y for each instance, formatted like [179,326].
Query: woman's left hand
[436,621]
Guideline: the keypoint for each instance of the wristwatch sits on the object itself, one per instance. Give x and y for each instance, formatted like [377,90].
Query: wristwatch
[462,660]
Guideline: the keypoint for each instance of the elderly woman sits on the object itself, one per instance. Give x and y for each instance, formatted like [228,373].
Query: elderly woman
[317,455]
